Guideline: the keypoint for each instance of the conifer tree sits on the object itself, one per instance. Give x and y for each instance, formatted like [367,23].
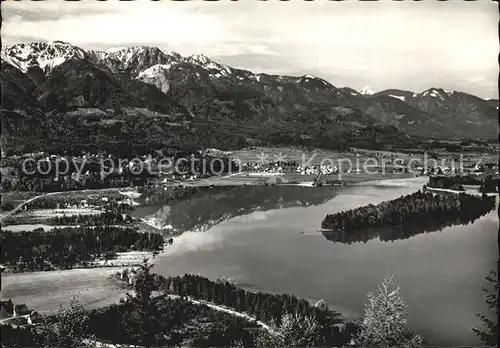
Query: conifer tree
[143,322]
[294,331]
[489,331]
[68,328]
[385,320]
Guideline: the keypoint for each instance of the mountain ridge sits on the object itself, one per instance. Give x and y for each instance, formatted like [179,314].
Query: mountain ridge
[234,103]
[199,59]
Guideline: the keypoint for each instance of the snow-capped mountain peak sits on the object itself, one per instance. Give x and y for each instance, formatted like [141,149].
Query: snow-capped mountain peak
[201,59]
[134,60]
[115,49]
[436,93]
[45,55]
[317,81]
[367,90]
[208,64]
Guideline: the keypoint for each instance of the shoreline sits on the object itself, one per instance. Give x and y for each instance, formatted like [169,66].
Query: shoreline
[345,313]
[469,192]
[98,278]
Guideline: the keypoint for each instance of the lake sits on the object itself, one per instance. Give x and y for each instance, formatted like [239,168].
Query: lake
[252,236]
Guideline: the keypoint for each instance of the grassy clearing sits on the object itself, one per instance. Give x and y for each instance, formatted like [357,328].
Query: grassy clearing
[236,180]
[46,291]
[42,216]
[251,179]
[49,213]
[318,155]
[130,258]
[288,154]
[416,182]
[47,228]
[16,197]
[24,195]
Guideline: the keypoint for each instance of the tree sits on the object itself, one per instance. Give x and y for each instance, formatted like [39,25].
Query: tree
[143,322]
[321,305]
[385,320]
[294,330]
[489,331]
[68,328]
[237,343]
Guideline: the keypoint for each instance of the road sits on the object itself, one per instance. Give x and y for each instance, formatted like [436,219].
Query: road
[21,205]
[119,189]
[225,310]
[208,304]
[14,317]
[469,192]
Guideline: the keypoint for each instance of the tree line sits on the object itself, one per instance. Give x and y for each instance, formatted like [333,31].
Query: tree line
[267,307]
[489,185]
[411,209]
[62,201]
[48,177]
[170,323]
[68,247]
[397,232]
[456,182]
[450,182]
[43,183]
[151,321]
[148,321]
[106,218]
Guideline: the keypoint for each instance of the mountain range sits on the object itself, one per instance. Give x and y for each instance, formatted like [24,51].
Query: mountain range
[57,96]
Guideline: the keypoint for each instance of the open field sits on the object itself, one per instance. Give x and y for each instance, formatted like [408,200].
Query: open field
[21,198]
[47,228]
[17,197]
[41,216]
[290,154]
[49,213]
[132,194]
[416,182]
[130,258]
[317,155]
[46,291]
[248,178]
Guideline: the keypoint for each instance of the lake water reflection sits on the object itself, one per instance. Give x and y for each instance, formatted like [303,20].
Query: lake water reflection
[252,236]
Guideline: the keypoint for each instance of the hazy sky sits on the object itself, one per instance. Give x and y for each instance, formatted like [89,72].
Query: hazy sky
[384,44]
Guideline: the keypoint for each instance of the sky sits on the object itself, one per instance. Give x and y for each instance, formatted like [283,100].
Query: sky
[384,44]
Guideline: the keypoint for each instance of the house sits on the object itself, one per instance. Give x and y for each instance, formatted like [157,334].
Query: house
[34,318]
[7,309]
[132,277]
[340,327]
[21,309]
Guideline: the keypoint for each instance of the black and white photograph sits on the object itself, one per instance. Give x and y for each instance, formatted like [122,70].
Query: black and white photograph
[258,174]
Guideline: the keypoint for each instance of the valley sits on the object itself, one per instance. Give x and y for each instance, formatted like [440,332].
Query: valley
[130,174]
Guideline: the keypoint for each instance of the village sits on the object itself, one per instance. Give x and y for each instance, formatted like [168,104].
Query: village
[101,170]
